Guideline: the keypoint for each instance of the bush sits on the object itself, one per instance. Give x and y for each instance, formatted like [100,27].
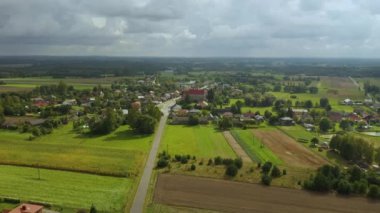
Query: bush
[374,192]
[266,179]
[209,163]
[238,162]
[275,172]
[218,160]
[227,161]
[184,159]
[266,167]
[192,168]
[344,187]
[177,158]
[161,163]
[284,172]
[231,170]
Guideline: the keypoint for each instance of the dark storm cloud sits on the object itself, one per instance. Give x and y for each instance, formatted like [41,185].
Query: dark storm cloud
[191,27]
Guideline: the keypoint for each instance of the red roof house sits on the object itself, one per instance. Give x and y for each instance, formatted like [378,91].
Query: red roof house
[195,94]
[27,208]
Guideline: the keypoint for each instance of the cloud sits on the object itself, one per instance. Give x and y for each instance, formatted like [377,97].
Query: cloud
[274,28]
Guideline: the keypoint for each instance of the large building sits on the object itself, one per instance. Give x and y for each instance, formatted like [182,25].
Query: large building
[195,94]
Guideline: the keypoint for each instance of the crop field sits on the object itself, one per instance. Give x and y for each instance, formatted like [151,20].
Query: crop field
[20,84]
[119,153]
[288,150]
[254,147]
[201,141]
[339,88]
[229,196]
[298,132]
[66,189]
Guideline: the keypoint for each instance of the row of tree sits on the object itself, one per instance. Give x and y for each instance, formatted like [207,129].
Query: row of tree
[354,181]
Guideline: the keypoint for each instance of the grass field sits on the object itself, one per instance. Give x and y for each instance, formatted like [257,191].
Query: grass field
[19,84]
[66,189]
[201,141]
[339,88]
[118,153]
[253,147]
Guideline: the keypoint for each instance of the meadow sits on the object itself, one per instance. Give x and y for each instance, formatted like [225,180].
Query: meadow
[201,141]
[69,190]
[120,153]
[253,146]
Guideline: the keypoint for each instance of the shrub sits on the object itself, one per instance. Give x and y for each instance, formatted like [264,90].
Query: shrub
[266,179]
[238,162]
[184,159]
[344,187]
[218,160]
[161,163]
[227,161]
[275,172]
[209,162]
[177,157]
[284,172]
[192,168]
[266,167]
[374,191]
[231,170]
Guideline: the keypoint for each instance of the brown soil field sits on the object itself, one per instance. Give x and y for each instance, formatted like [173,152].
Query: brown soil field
[236,147]
[286,148]
[230,196]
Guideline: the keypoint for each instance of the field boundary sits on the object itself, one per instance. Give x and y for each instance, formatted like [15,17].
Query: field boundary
[243,145]
[238,149]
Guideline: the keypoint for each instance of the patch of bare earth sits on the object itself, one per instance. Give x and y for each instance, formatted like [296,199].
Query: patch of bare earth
[286,148]
[229,196]
[236,147]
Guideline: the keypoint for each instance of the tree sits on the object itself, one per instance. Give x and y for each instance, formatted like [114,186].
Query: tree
[266,179]
[308,104]
[193,120]
[238,163]
[93,209]
[225,123]
[275,172]
[314,141]
[374,191]
[231,170]
[266,167]
[324,125]
[344,187]
[323,102]
[345,124]
[192,167]
[162,162]
[144,124]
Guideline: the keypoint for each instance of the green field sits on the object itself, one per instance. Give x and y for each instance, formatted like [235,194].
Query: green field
[119,153]
[201,141]
[253,147]
[66,189]
[17,84]
[297,132]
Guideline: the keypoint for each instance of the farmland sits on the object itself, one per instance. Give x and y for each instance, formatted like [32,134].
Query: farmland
[254,147]
[120,153]
[25,84]
[292,153]
[201,141]
[229,196]
[65,189]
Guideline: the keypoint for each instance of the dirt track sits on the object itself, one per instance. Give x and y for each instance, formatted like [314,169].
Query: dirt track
[236,147]
[229,196]
[291,152]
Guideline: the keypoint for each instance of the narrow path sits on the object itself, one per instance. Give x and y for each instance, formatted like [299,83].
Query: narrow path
[138,202]
[355,82]
[236,147]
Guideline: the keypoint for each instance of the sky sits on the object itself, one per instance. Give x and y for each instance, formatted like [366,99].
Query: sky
[191,28]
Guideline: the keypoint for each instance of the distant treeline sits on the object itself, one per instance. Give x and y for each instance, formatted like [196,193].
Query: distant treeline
[124,66]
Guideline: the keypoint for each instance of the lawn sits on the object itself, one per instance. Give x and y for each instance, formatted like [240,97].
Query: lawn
[119,153]
[201,141]
[253,147]
[66,189]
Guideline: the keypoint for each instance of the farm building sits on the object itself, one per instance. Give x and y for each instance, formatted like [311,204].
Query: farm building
[27,208]
[195,94]
[69,102]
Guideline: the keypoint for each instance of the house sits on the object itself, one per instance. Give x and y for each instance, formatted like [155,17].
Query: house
[335,116]
[194,111]
[69,102]
[309,127]
[300,112]
[175,108]
[27,208]
[286,121]
[353,117]
[125,111]
[347,101]
[195,94]
[228,115]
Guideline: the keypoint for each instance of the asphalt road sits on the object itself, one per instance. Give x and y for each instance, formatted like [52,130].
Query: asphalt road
[138,202]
